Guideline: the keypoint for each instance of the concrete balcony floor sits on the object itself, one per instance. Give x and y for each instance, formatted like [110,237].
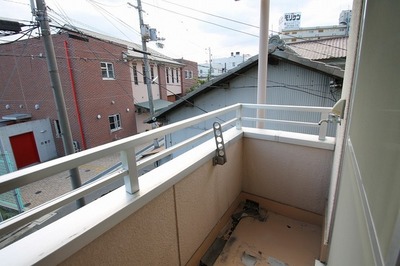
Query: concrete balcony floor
[258,236]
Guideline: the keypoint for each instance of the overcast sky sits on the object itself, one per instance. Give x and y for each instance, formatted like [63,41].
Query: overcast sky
[191,28]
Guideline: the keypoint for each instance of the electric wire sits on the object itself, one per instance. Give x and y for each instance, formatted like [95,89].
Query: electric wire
[191,103]
[24,33]
[213,15]
[15,68]
[236,21]
[201,20]
[102,11]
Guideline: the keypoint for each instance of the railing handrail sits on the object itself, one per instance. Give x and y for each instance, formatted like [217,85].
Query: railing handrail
[126,147]
[316,109]
[43,170]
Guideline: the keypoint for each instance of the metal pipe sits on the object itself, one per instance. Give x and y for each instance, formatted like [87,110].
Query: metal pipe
[72,78]
[262,60]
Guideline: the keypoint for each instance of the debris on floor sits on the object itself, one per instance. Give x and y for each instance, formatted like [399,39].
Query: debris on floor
[257,237]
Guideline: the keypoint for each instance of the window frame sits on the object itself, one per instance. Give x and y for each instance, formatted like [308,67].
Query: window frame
[167,74]
[135,75]
[107,68]
[151,74]
[116,124]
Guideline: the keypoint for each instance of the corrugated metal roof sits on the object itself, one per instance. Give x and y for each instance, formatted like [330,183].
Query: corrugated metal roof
[321,49]
[221,80]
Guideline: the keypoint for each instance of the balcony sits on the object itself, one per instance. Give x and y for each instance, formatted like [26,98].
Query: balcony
[189,209]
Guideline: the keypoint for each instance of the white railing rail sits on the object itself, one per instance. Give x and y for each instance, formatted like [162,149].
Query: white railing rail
[126,148]
[324,111]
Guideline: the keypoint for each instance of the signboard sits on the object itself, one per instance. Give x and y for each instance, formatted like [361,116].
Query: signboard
[290,21]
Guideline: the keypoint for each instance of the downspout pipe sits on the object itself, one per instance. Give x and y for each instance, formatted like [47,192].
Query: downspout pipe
[262,61]
[71,77]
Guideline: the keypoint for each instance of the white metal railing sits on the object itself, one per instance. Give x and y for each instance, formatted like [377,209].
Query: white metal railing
[126,148]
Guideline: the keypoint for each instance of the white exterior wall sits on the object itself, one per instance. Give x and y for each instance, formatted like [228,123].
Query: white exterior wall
[313,33]
[42,130]
[174,85]
[140,90]
[222,65]
[366,229]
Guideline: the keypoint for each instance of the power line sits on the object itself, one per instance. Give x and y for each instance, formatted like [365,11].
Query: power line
[96,5]
[283,85]
[217,16]
[232,20]
[208,22]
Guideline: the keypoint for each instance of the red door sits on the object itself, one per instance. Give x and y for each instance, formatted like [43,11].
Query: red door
[24,149]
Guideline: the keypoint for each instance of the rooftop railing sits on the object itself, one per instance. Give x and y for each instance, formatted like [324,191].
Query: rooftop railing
[130,167]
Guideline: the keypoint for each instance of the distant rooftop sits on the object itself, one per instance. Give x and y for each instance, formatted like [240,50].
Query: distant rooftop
[321,49]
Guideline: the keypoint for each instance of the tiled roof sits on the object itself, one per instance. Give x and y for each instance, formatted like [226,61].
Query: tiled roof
[321,49]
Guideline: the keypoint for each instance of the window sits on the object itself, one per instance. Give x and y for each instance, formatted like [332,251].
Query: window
[115,122]
[177,75]
[135,76]
[107,70]
[151,74]
[172,75]
[167,74]
[144,75]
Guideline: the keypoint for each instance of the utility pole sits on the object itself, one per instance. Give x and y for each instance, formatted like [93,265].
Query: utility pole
[42,18]
[210,61]
[143,30]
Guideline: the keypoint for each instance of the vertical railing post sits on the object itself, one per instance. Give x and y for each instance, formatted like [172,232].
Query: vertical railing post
[128,159]
[324,126]
[239,113]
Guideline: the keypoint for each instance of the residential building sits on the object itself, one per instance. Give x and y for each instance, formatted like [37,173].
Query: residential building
[219,66]
[189,75]
[330,201]
[290,30]
[102,80]
[292,80]
[96,84]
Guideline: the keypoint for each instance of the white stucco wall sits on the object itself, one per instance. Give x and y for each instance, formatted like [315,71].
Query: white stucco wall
[370,178]
[42,130]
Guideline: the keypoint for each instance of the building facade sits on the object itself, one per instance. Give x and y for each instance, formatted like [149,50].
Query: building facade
[291,32]
[292,80]
[189,75]
[102,80]
[95,83]
[221,65]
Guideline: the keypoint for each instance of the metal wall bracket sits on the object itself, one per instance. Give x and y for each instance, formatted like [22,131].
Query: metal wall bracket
[220,155]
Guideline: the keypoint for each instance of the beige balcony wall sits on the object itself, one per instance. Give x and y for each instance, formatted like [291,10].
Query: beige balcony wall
[290,174]
[190,209]
[204,196]
[147,237]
